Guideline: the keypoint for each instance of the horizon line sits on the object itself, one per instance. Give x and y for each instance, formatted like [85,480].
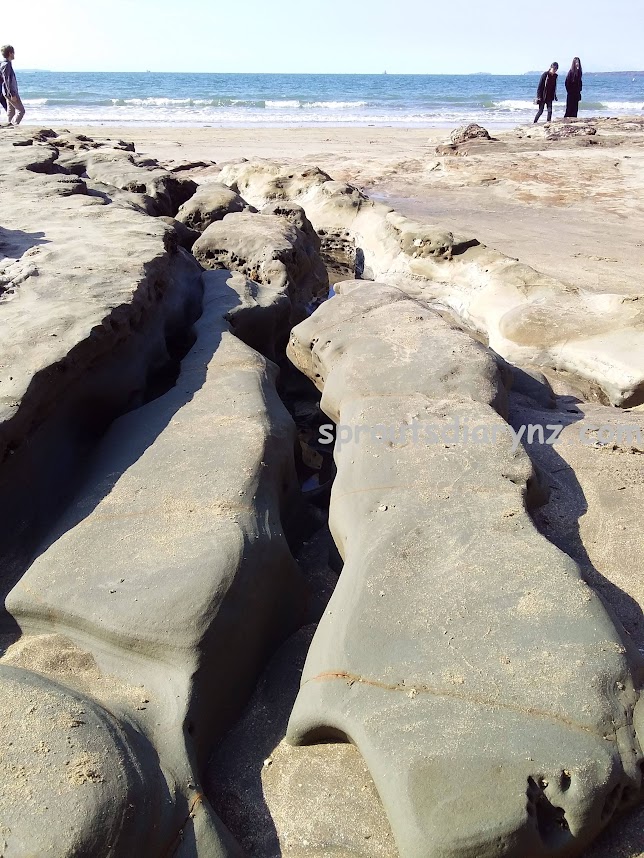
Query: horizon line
[326,74]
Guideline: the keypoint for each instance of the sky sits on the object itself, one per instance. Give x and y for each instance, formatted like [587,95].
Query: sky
[332,36]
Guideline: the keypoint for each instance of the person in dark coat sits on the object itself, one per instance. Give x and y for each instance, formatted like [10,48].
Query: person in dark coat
[573,88]
[547,91]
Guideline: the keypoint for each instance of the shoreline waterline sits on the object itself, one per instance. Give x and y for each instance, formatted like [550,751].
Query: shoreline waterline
[324,101]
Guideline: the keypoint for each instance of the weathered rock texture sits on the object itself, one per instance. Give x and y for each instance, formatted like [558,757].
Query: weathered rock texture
[523,315]
[469,132]
[96,308]
[161,192]
[147,463]
[492,697]
[270,250]
[211,202]
[148,485]
[174,554]
[570,129]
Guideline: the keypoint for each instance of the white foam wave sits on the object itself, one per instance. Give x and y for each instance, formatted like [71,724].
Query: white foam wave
[623,105]
[158,102]
[513,104]
[289,113]
[336,105]
[271,104]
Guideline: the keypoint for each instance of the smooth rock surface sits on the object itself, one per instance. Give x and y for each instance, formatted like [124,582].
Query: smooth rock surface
[296,802]
[95,302]
[490,694]
[178,576]
[147,462]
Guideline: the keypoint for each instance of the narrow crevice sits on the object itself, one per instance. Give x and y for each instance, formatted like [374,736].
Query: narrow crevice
[46,464]
[550,821]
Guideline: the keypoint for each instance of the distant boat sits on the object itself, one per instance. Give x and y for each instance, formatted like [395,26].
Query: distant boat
[384,72]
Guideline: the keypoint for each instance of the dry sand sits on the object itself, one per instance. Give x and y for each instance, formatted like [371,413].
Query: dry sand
[571,208]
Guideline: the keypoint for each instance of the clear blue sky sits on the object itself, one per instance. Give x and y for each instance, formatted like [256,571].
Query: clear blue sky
[401,36]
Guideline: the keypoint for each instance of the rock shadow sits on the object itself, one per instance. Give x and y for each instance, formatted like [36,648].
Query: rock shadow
[16,242]
[558,518]
[233,783]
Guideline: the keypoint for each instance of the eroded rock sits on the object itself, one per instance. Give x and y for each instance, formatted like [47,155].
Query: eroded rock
[180,562]
[122,169]
[154,533]
[267,249]
[571,129]
[210,202]
[527,317]
[489,692]
[469,132]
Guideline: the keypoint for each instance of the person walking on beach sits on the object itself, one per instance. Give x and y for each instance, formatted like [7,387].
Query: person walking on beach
[15,107]
[573,88]
[547,91]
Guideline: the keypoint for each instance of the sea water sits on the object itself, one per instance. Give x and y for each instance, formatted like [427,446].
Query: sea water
[54,98]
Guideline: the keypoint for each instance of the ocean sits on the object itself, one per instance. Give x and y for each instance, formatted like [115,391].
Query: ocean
[221,100]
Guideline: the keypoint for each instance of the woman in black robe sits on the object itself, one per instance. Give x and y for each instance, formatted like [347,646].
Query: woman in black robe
[573,88]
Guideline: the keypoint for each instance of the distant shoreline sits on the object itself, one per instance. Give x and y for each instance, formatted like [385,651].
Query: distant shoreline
[318,101]
[316,74]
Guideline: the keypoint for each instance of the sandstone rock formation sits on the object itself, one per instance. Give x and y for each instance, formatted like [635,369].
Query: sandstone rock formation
[570,129]
[95,308]
[185,236]
[149,505]
[164,558]
[145,554]
[469,132]
[159,191]
[485,735]
[210,202]
[270,250]
[525,316]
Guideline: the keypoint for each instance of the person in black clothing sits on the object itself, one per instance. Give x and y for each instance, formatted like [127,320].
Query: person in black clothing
[573,88]
[547,91]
